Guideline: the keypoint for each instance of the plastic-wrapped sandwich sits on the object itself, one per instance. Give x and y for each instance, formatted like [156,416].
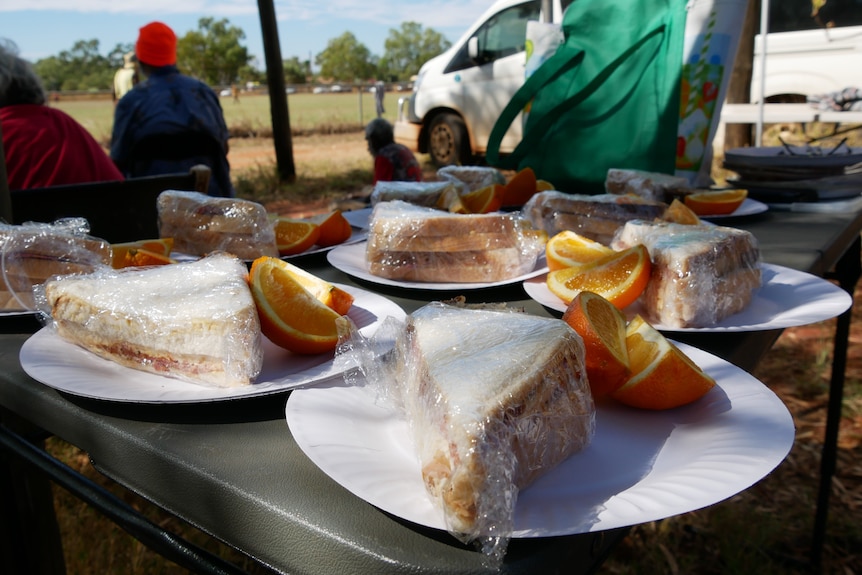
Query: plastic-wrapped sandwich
[200,224]
[595,217]
[428,194]
[413,243]
[194,321]
[700,274]
[494,398]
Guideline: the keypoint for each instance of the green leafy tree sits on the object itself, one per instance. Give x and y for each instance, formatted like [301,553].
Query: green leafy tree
[80,68]
[408,48]
[213,52]
[345,59]
[296,71]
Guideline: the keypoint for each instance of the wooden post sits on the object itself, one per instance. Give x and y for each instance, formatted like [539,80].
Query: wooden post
[739,90]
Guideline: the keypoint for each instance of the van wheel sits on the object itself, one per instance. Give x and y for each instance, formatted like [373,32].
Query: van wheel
[447,141]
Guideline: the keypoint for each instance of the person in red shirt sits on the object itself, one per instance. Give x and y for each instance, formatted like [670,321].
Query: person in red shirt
[392,161]
[43,146]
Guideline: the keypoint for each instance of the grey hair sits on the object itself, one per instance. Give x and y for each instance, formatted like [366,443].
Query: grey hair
[19,83]
[379,134]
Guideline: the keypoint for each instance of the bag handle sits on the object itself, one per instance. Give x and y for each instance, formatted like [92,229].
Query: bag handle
[531,87]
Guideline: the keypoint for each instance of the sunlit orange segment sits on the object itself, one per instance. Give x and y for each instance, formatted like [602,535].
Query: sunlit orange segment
[334,228]
[679,213]
[544,186]
[619,277]
[162,246]
[326,293]
[663,377]
[603,328]
[715,203]
[567,248]
[520,188]
[136,257]
[290,315]
[484,200]
[294,236]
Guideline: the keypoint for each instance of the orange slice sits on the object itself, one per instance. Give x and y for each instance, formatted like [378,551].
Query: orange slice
[294,236]
[290,315]
[719,202]
[140,257]
[567,249]
[544,186]
[484,200]
[326,293]
[520,188]
[679,213]
[334,228]
[603,328]
[162,246]
[619,277]
[663,377]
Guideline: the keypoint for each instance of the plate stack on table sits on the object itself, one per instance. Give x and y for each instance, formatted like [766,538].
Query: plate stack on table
[788,174]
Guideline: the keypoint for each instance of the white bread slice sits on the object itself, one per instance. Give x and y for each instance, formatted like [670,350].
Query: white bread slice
[700,274]
[194,321]
[200,224]
[414,243]
[495,399]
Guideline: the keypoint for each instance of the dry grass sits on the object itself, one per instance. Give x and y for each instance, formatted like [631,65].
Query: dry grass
[764,530]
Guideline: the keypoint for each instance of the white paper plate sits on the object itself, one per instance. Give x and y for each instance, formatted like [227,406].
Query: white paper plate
[787,298]
[351,260]
[359,218]
[48,358]
[641,465]
[748,207]
[357,235]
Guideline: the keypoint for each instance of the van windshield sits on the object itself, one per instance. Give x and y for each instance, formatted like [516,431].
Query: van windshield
[792,15]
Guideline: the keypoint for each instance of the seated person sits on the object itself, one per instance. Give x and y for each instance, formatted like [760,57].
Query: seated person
[44,146]
[169,122]
[392,161]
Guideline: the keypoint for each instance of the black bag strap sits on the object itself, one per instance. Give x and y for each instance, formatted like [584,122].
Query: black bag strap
[568,59]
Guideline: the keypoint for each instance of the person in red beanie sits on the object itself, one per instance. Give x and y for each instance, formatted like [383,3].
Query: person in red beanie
[44,146]
[169,122]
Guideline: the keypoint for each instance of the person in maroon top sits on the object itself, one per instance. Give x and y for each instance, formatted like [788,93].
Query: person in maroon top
[43,146]
[392,161]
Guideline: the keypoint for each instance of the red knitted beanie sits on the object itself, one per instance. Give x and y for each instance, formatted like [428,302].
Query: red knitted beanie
[157,45]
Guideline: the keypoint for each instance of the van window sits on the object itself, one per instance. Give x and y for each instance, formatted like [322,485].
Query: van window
[503,34]
[792,15]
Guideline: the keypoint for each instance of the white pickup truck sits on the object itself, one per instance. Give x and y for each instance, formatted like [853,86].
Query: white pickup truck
[458,95]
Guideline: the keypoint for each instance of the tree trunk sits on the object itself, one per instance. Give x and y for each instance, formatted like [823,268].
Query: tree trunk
[739,89]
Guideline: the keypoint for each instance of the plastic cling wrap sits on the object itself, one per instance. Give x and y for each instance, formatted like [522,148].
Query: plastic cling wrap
[700,274]
[428,194]
[194,321]
[595,217]
[494,399]
[472,178]
[649,185]
[412,243]
[33,252]
[201,224]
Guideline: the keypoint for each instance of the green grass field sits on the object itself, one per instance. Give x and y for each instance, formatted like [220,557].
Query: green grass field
[251,116]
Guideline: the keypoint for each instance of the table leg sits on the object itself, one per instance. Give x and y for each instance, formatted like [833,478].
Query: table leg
[847,271]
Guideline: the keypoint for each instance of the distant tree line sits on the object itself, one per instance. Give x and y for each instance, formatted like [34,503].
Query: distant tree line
[214,53]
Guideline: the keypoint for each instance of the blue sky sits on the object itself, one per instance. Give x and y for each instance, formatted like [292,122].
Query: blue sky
[43,28]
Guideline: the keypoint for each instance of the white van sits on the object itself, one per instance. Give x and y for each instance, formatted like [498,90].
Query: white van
[809,53]
[458,95]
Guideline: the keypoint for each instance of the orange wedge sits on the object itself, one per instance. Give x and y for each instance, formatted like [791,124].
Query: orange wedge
[329,295]
[603,328]
[663,377]
[567,249]
[520,188]
[679,213]
[294,236]
[719,202]
[484,200]
[334,228]
[544,186]
[619,277]
[290,315]
[140,257]
[162,246]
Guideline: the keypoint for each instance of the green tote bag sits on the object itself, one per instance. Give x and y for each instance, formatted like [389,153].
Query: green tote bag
[608,98]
